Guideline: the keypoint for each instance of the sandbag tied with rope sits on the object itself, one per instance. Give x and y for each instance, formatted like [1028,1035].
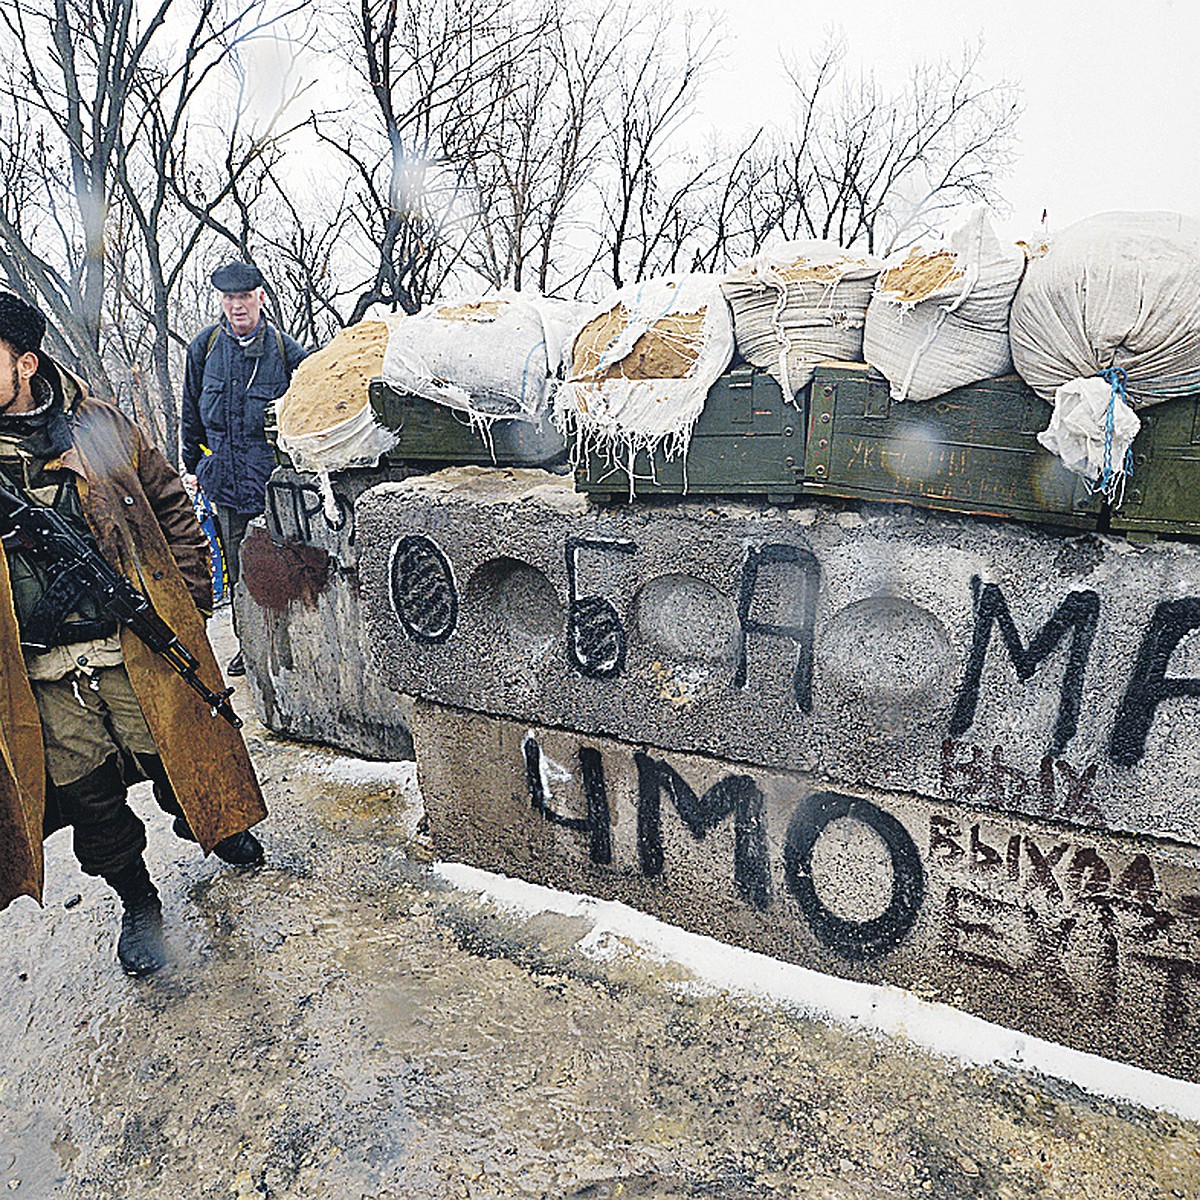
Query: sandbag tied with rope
[800,304]
[1092,430]
[324,421]
[1115,290]
[939,316]
[640,369]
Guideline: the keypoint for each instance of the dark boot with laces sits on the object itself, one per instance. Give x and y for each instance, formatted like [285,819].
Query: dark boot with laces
[140,948]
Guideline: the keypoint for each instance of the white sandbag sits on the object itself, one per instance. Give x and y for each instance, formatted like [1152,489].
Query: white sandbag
[492,357]
[1091,430]
[324,421]
[641,366]
[939,316]
[1115,290]
[802,303]
[359,441]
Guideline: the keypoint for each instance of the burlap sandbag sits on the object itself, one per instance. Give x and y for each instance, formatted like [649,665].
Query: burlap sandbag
[939,316]
[802,303]
[493,357]
[324,419]
[640,368]
[1115,290]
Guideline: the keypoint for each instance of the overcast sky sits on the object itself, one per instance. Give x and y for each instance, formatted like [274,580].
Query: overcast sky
[1111,88]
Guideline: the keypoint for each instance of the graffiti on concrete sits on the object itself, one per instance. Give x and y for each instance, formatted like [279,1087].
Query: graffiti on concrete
[854,940]
[422,590]
[802,611]
[1082,920]
[1077,615]
[596,639]
[777,596]
[735,795]
[971,774]
[596,824]
[295,511]
[1094,925]
[1150,684]
[739,797]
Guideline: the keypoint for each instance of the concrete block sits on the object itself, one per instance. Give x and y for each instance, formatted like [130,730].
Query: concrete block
[1090,940]
[998,666]
[300,623]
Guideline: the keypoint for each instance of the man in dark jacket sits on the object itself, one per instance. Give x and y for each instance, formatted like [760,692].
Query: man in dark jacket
[84,705]
[234,370]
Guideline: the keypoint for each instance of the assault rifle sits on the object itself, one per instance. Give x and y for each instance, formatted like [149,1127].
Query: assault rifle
[48,537]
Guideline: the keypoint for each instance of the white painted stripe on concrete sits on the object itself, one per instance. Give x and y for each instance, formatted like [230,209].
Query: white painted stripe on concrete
[938,1028]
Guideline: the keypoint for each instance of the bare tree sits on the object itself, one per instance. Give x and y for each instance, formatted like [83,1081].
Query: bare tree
[650,97]
[864,167]
[174,206]
[530,150]
[95,148]
[424,64]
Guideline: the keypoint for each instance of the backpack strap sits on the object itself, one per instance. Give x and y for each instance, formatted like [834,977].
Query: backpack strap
[216,333]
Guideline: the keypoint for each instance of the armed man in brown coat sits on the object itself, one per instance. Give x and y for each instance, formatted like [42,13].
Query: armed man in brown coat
[98,709]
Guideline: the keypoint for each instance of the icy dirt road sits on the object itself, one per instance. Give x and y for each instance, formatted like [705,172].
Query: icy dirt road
[344,1023]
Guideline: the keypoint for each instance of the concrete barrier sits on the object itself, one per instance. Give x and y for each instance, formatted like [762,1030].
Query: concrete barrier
[300,624]
[1086,939]
[1019,704]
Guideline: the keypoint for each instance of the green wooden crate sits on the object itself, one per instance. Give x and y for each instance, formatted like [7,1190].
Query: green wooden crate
[972,450]
[1162,496]
[746,442]
[433,434]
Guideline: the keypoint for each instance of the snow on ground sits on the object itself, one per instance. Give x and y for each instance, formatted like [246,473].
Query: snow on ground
[939,1028]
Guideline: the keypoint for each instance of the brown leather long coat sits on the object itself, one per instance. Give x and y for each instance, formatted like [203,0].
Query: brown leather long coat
[144,526]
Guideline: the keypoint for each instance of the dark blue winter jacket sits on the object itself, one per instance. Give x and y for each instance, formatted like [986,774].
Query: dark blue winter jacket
[227,386]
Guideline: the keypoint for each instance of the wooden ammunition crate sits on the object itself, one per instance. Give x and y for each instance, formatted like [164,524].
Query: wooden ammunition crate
[746,442]
[972,450]
[1162,496]
[432,434]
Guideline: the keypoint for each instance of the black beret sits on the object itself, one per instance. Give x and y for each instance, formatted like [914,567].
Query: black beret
[21,325]
[237,277]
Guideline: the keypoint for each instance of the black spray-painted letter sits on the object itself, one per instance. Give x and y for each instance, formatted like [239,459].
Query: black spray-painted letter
[1077,614]
[596,823]
[735,795]
[423,593]
[854,940]
[794,595]
[1150,684]
[595,635]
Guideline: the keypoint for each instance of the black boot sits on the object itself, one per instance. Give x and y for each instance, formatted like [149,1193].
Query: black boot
[238,849]
[140,948]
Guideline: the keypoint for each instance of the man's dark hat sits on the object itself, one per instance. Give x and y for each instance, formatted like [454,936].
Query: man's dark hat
[21,325]
[237,277]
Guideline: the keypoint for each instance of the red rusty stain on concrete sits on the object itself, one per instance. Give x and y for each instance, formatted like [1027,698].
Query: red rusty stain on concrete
[279,575]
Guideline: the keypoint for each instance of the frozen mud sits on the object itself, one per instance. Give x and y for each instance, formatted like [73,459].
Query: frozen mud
[342,1023]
